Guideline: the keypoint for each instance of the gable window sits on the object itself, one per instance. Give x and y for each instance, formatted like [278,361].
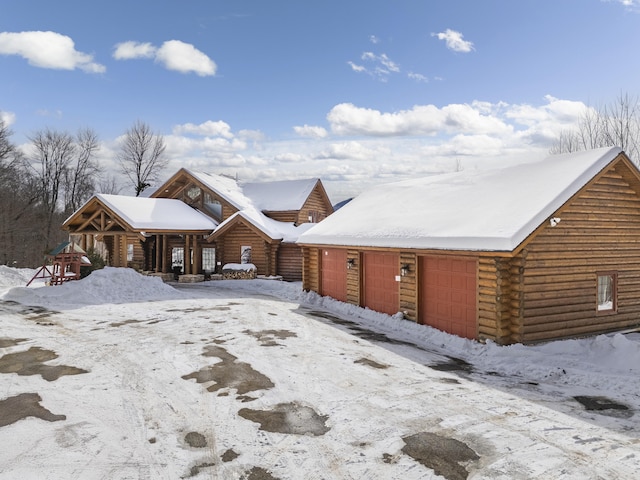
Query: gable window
[607,292]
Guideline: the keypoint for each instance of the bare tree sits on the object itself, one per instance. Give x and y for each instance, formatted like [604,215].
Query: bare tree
[109,185]
[66,172]
[53,152]
[82,172]
[6,147]
[617,125]
[20,211]
[141,156]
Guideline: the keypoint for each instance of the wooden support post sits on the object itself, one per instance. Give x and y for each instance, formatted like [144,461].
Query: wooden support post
[158,254]
[187,258]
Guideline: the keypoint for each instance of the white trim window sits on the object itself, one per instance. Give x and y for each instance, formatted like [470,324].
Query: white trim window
[607,292]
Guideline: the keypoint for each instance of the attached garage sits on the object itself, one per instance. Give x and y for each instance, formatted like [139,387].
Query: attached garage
[530,252]
[448,294]
[381,284]
[333,269]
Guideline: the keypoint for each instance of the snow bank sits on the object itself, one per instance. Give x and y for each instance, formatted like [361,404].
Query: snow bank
[108,285]
[11,277]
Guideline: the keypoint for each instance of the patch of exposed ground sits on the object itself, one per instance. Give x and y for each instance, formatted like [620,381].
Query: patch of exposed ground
[371,363]
[25,405]
[229,456]
[32,361]
[229,373]
[195,470]
[453,365]
[360,331]
[446,456]
[267,338]
[259,473]
[195,440]
[604,406]
[11,342]
[126,322]
[29,311]
[289,418]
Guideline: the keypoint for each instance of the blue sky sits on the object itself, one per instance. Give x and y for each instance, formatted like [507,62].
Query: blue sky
[353,92]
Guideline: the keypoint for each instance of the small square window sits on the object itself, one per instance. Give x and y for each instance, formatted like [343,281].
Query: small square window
[607,286]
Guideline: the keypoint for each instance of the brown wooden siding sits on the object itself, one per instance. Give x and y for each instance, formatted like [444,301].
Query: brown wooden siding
[599,230]
[409,286]
[353,278]
[311,269]
[495,321]
[285,216]
[316,202]
[290,262]
[232,242]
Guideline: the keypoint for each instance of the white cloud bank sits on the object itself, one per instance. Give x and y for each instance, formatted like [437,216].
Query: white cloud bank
[173,54]
[48,50]
[362,146]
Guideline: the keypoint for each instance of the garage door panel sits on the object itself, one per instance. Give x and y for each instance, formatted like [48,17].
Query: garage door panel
[381,291]
[448,294]
[334,274]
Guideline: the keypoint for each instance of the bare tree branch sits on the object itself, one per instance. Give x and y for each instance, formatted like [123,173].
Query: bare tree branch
[141,156]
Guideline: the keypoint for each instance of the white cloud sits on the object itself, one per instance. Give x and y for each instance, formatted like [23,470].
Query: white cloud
[48,50]
[418,77]
[378,66]
[207,129]
[130,50]
[633,5]
[7,117]
[311,131]
[454,41]
[373,39]
[173,54]
[347,119]
[185,58]
[366,146]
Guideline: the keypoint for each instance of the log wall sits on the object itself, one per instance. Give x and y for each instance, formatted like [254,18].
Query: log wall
[232,243]
[311,269]
[353,278]
[290,262]
[409,286]
[316,202]
[599,231]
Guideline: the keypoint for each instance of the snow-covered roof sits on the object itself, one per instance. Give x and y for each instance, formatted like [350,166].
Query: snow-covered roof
[280,195]
[491,210]
[156,213]
[286,231]
[226,187]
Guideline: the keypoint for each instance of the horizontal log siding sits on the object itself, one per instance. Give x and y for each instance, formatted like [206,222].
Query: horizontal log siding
[316,202]
[494,300]
[288,216]
[599,231]
[409,286]
[310,269]
[353,278]
[232,243]
[290,262]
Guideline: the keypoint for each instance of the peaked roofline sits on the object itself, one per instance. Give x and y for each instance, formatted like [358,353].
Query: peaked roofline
[464,211]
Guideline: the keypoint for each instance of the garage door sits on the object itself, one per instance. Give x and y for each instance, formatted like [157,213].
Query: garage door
[448,295]
[334,273]
[381,289]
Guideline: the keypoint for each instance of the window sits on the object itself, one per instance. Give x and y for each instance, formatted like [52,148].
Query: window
[208,259]
[245,254]
[607,292]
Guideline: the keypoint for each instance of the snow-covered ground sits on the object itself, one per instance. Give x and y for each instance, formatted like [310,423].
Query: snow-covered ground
[120,376]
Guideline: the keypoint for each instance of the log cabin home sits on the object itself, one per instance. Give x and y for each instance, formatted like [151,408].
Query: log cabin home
[531,252]
[196,222]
